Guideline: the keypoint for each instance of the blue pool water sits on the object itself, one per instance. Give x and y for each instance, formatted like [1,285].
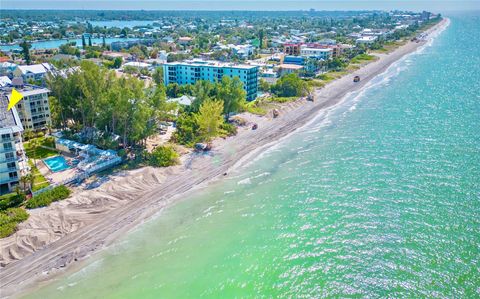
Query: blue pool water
[57,163]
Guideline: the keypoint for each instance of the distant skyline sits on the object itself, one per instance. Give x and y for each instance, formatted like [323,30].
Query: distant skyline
[436,6]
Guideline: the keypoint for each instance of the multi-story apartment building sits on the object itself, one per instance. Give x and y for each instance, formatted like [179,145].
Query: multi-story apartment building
[34,108]
[13,162]
[189,72]
[292,49]
[319,53]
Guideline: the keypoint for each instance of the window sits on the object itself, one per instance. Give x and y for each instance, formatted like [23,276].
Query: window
[7,146]
[9,156]
[13,175]
[11,165]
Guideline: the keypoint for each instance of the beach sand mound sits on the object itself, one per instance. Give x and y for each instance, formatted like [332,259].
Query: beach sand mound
[46,225]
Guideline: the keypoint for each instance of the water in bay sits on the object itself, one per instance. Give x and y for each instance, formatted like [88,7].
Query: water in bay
[377,197]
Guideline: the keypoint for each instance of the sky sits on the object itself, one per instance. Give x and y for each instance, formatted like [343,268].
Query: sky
[436,6]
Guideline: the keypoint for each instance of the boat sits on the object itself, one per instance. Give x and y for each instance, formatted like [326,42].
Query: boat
[356,79]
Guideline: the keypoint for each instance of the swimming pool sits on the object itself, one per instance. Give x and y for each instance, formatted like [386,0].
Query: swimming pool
[56,164]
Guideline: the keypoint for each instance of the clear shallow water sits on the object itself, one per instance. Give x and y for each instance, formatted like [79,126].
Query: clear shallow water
[379,197]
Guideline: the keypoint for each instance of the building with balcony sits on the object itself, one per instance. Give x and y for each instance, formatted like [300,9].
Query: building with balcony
[34,108]
[292,49]
[13,162]
[36,72]
[189,72]
[319,53]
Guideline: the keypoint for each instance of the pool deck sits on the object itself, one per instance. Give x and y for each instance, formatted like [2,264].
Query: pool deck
[56,177]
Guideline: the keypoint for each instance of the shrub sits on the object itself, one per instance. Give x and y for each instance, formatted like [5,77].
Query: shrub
[283,99]
[163,156]
[45,198]
[325,77]
[230,129]
[9,220]
[10,200]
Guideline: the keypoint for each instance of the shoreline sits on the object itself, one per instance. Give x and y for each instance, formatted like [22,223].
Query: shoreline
[111,216]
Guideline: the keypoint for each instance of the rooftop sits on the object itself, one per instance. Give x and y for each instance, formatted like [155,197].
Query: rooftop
[25,89]
[35,68]
[290,66]
[9,120]
[211,63]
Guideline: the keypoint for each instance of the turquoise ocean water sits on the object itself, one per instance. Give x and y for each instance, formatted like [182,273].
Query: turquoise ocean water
[379,197]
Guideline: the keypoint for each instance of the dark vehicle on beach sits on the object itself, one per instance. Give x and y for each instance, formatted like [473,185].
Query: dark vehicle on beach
[275,113]
[310,98]
[356,79]
[254,127]
[203,147]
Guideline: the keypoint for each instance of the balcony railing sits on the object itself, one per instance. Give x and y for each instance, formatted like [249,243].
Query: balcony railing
[9,180]
[9,169]
[7,150]
[12,159]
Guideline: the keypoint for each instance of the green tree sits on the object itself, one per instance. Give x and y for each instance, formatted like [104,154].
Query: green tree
[84,44]
[173,90]
[202,91]
[163,156]
[117,62]
[187,129]
[232,94]
[209,119]
[26,51]
[336,64]
[264,85]
[34,144]
[89,40]
[290,86]
[158,76]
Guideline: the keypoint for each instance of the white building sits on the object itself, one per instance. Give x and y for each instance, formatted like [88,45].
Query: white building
[33,72]
[320,53]
[4,81]
[137,65]
[366,39]
[34,108]
[13,162]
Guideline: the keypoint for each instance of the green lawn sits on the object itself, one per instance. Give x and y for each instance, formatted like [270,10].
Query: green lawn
[39,181]
[41,152]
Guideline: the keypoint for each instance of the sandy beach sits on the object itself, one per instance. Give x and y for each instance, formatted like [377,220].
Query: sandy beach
[58,237]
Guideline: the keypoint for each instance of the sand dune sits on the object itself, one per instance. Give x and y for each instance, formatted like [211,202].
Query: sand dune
[55,236]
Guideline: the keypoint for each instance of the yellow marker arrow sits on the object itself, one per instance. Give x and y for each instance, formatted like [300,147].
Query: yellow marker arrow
[15,97]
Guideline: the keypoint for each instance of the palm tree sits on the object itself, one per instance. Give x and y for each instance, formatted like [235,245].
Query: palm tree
[34,144]
[27,182]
